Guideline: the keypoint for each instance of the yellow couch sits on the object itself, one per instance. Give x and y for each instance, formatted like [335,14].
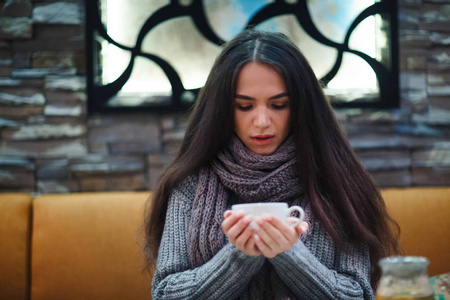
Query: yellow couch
[86,246]
[72,246]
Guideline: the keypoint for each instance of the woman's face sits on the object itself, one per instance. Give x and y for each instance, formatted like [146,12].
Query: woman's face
[261,108]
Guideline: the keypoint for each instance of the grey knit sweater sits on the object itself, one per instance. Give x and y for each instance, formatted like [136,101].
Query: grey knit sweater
[313,269]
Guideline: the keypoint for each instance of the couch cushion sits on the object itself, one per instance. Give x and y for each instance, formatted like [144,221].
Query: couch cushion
[85,246]
[15,217]
[424,218]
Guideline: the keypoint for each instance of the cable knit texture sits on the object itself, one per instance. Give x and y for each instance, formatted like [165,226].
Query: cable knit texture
[311,269]
[196,261]
[250,176]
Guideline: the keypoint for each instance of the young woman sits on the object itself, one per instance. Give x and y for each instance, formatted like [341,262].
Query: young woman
[263,131]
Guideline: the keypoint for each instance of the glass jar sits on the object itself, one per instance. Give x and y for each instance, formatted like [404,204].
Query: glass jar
[404,278]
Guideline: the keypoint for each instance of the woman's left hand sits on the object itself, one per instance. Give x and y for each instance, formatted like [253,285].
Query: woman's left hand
[276,236]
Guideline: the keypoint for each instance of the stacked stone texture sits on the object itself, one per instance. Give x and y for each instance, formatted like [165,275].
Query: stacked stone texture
[48,142]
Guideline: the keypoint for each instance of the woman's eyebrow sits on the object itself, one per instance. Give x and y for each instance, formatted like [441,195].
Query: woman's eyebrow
[244,97]
[238,96]
[281,95]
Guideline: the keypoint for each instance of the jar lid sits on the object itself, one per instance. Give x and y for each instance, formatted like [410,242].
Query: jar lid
[404,261]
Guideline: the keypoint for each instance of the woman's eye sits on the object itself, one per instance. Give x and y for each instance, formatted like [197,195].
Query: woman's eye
[279,106]
[244,107]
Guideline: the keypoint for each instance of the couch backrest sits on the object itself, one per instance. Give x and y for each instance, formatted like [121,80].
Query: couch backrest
[424,218]
[84,246]
[15,217]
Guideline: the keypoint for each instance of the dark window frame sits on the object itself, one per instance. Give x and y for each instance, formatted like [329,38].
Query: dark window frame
[98,95]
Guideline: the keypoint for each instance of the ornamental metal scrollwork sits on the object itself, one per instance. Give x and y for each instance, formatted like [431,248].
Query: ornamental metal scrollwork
[181,98]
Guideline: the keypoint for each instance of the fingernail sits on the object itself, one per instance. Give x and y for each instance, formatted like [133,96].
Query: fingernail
[253,225]
[304,227]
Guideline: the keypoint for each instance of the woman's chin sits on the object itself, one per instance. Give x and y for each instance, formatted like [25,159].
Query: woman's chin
[264,152]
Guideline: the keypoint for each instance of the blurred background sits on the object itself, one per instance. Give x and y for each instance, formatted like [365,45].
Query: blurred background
[86,110]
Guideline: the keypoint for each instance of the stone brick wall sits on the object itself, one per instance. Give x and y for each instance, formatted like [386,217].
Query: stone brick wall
[48,143]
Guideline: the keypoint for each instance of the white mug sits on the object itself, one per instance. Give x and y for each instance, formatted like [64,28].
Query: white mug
[279,210]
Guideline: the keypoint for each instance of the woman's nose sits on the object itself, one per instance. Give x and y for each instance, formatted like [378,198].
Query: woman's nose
[262,118]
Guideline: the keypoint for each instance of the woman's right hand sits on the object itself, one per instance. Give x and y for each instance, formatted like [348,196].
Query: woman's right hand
[239,233]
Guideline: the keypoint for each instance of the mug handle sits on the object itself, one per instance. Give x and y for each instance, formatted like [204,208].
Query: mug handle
[300,210]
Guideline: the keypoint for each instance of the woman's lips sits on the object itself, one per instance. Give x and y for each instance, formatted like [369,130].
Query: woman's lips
[262,140]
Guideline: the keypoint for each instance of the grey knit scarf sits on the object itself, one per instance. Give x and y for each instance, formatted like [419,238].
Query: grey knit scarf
[252,177]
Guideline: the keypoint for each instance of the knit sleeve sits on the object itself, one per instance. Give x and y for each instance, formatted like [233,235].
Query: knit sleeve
[225,276]
[316,269]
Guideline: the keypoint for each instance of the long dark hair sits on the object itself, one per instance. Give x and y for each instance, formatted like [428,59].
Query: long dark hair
[343,195]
